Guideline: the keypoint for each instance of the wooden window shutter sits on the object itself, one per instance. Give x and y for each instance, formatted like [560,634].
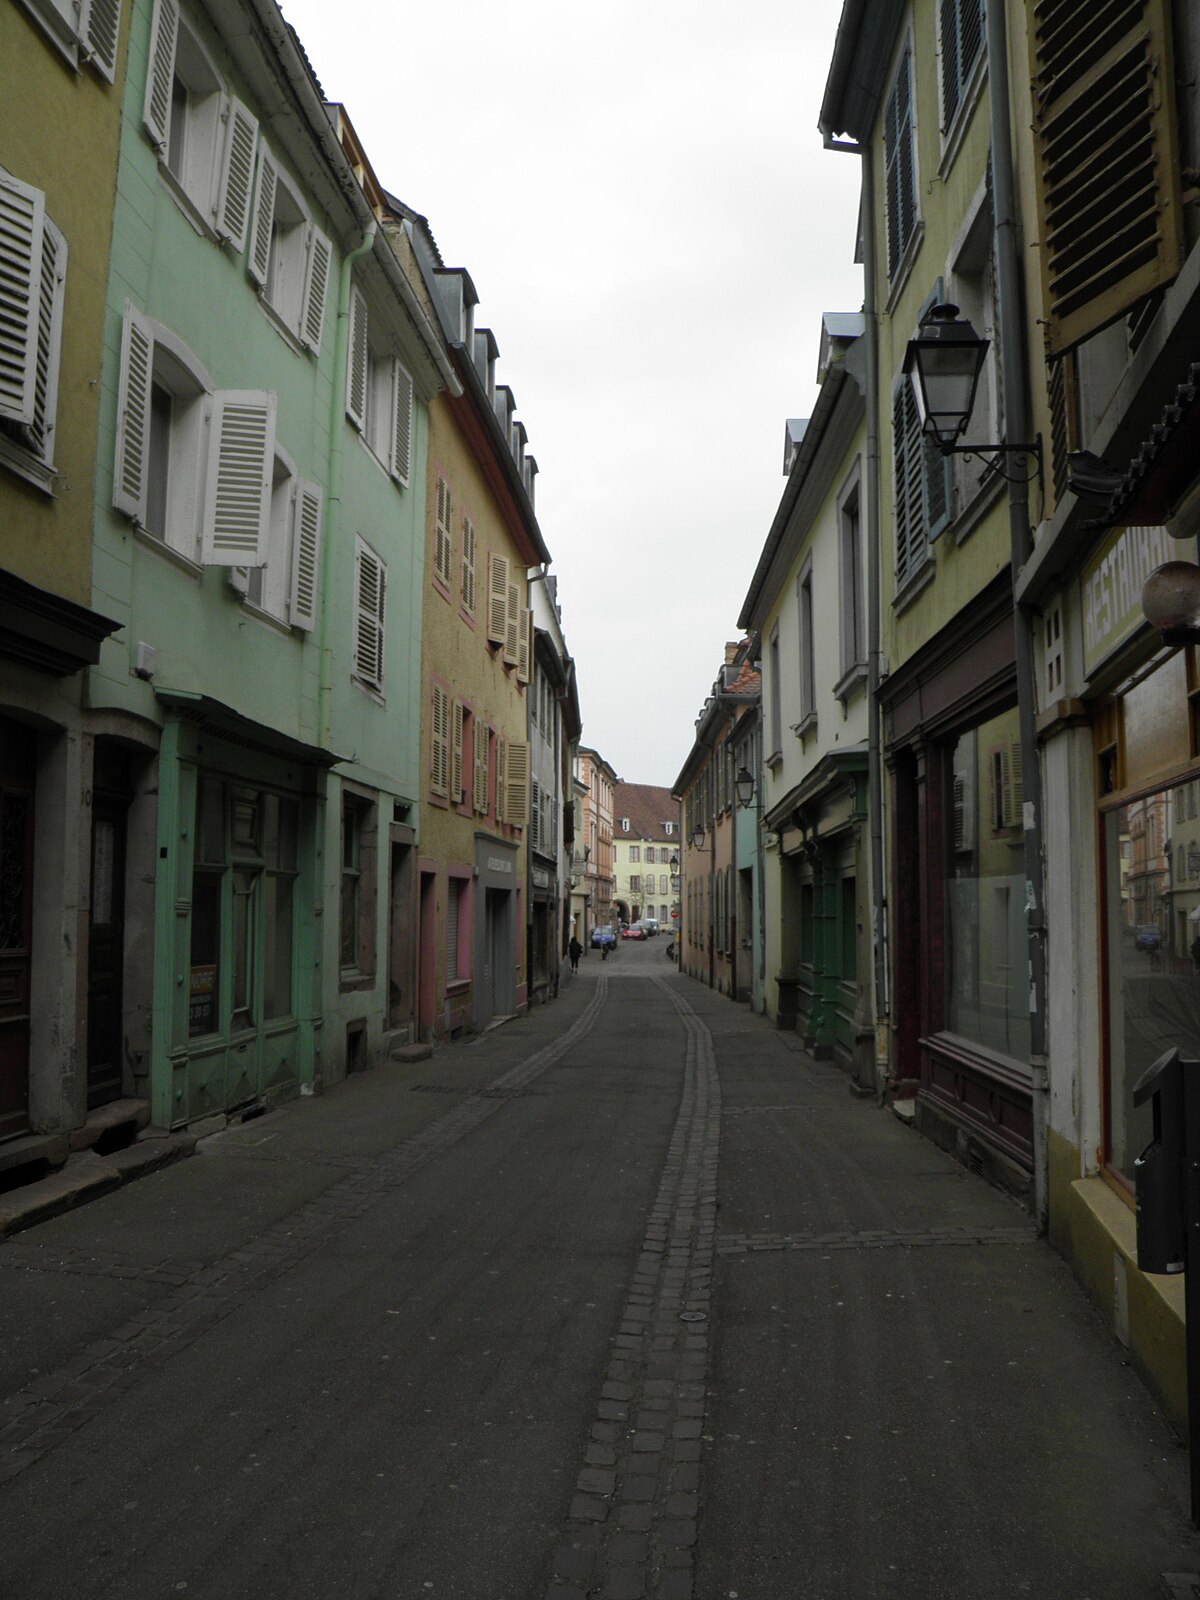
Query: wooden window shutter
[523,650]
[237,174]
[237,499]
[899,165]
[516,802]
[22,241]
[481,766]
[512,624]
[443,557]
[1064,425]
[908,451]
[501,777]
[316,290]
[49,340]
[356,362]
[961,41]
[468,565]
[131,468]
[306,556]
[1106,159]
[259,260]
[456,752]
[164,33]
[439,757]
[497,630]
[400,462]
[369,607]
[101,29]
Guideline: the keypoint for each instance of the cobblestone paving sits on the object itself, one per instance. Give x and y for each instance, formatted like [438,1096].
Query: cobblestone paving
[632,1525]
[37,1418]
[739,1244]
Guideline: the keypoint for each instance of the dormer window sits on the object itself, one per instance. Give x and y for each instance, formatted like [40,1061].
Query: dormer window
[624,824]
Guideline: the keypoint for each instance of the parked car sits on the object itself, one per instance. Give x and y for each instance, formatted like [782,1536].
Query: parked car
[636,932]
[603,938]
[1147,938]
[649,926]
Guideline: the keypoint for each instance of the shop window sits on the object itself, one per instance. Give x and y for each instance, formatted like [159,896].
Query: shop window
[987,964]
[357,932]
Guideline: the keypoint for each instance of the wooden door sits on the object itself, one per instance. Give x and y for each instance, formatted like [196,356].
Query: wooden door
[18,758]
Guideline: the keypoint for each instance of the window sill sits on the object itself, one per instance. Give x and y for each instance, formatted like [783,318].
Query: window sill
[915,584]
[286,331]
[167,552]
[267,618]
[853,681]
[903,272]
[441,586]
[985,497]
[26,465]
[186,203]
[353,981]
[955,135]
[805,726]
[369,689]
[458,987]
[775,759]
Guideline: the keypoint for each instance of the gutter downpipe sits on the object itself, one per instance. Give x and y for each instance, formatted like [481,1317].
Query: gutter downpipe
[333,494]
[1015,371]
[879,899]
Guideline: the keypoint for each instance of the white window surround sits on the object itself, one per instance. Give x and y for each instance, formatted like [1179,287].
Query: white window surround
[851,617]
[806,663]
[285,587]
[289,258]
[33,270]
[205,137]
[87,32]
[379,392]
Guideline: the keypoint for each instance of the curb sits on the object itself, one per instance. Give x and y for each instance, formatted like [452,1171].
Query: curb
[86,1176]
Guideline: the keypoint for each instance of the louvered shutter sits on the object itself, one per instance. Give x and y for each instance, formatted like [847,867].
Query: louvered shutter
[356,362]
[501,777]
[908,448]
[131,467]
[523,644]
[468,565]
[961,41]
[453,909]
[49,342]
[237,498]
[306,556]
[439,764]
[456,752]
[497,630]
[516,804]
[369,589]
[512,622]
[481,766]
[164,32]
[237,174]
[22,242]
[259,260]
[443,557]
[898,165]
[402,419]
[100,26]
[1015,794]
[316,289]
[1106,159]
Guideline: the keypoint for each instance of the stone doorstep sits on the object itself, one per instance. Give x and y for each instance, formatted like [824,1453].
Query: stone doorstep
[86,1176]
[32,1149]
[125,1115]
[410,1052]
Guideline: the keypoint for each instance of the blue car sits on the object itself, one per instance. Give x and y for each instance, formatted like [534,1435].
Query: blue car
[603,938]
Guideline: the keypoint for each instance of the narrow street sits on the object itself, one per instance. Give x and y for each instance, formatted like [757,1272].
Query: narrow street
[626,1297]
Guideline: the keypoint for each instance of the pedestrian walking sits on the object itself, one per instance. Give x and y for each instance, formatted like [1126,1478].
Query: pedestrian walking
[574,950]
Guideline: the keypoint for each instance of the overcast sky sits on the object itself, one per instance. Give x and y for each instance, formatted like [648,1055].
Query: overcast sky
[640,194]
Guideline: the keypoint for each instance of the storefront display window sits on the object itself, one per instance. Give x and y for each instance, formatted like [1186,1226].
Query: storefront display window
[987,959]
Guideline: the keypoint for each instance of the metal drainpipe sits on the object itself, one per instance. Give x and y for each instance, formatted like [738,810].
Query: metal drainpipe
[1015,372]
[333,492]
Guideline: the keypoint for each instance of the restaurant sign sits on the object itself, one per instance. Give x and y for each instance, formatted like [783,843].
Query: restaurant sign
[1111,588]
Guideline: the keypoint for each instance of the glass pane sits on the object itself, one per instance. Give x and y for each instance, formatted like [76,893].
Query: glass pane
[243,948]
[1156,730]
[210,822]
[1152,918]
[247,822]
[206,952]
[987,955]
[280,824]
[349,931]
[277,948]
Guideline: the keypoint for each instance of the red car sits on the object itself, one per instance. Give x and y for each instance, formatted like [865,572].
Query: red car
[633,933]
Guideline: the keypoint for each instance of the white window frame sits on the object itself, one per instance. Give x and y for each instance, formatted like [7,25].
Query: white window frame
[86,32]
[33,254]
[379,392]
[288,257]
[285,587]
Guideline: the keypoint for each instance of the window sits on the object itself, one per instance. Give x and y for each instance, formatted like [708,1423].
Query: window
[808,669]
[899,160]
[853,652]
[357,940]
[194,483]
[650,855]
[498,586]
[635,883]
[370,589]
[86,30]
[516,797]
[482,736]
[624,824]
[635,854]
[285,587]
[458,928]
[289,257]
[922,477]
[775,694]
[668,827]
[973,289]
[961,30]
[379,393]
[439,759]
[204,136]
[33,271]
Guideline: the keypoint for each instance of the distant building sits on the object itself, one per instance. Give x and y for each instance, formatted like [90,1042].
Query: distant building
[646,844]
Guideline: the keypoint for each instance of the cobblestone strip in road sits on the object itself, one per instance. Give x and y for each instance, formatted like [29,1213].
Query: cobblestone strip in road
[49,1410]
[740,1244]
[632,1525]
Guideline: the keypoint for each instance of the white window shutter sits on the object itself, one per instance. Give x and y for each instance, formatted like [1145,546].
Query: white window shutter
[316,289]
[497,597]
[468,565]
[443,555]
[512,623]
[516,803]
[523,645]
[237,497]
[49,342]
[356,363]
[237,174]
[481,765]
[259,259]
[164,32]
[402,417]
[100,28]
[456,752]
[131,467]
[369,597]
[306,556]
[22,241]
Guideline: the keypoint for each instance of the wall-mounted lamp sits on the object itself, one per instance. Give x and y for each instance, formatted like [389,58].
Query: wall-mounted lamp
[744,786]
[698,836]
[943,364]
[1171,602]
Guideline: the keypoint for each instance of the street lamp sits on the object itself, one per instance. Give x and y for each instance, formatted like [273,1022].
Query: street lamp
[1171,601]
[943,363]
[744,785]
[698,836]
